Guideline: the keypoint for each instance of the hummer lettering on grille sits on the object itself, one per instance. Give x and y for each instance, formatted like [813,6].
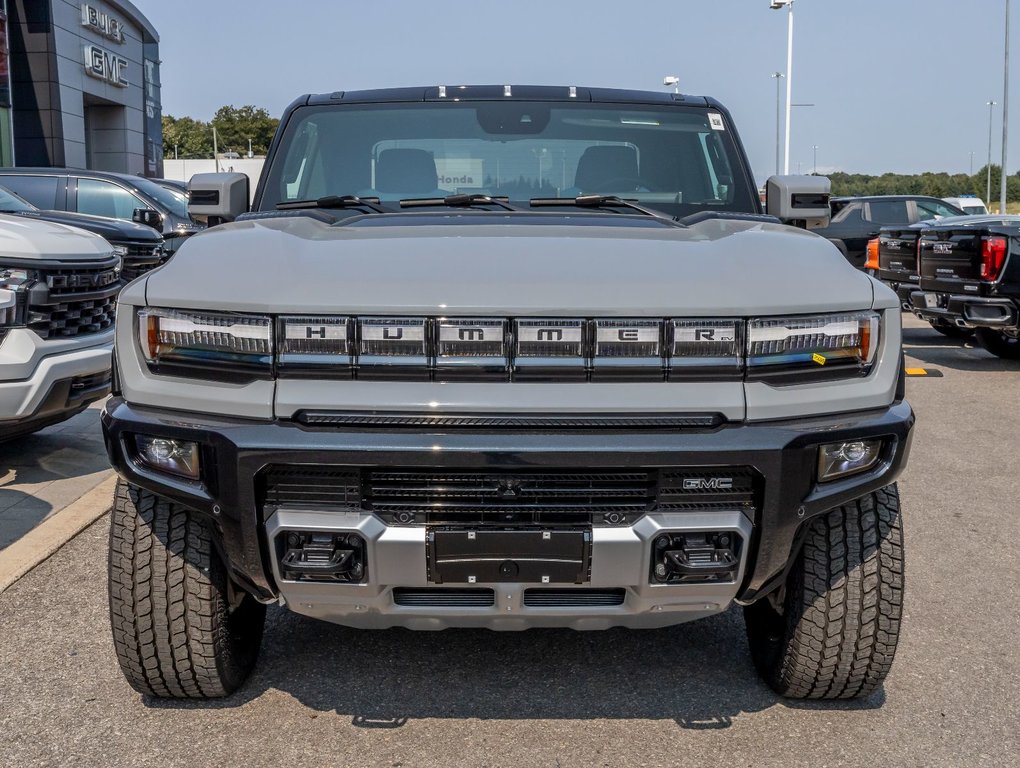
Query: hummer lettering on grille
[393,333]
[471,334]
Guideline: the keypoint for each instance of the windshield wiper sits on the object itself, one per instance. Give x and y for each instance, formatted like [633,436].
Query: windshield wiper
[334,201]
[600,201]
[460,201]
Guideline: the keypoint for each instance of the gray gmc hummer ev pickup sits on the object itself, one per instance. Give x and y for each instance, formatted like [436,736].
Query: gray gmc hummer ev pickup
[507,357]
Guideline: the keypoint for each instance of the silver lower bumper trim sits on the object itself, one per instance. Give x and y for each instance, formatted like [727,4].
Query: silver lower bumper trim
[621,558]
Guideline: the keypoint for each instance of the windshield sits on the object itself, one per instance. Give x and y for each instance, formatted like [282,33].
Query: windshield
[678,159]
[173,201]
[10,202]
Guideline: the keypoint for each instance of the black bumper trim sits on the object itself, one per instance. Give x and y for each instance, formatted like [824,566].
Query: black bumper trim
[234,451]
[964,311]
[335,419]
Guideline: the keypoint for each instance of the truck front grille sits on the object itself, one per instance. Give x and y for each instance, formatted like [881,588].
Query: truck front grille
[72,318]
[140,258]
[70,301]
[507,498]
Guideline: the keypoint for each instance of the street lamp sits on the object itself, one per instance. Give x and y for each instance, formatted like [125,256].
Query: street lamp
[988,189]
[778,5]
[778,76]
[1005,114]
[672,80]
[814,162]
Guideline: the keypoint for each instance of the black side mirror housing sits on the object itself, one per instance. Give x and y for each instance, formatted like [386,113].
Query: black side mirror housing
[148,217]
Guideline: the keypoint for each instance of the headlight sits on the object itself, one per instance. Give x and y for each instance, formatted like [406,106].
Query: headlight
[13,281]
[215,342]
[120,250]
[813,344]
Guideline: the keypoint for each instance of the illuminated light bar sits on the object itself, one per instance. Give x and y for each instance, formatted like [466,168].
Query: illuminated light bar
[713,347]
[549,349]
[318,342]
[630,348]
[194,338]
[811,343]
[475,347]
[394,346]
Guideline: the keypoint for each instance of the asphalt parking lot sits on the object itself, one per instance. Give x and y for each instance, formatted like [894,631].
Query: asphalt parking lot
[326,695]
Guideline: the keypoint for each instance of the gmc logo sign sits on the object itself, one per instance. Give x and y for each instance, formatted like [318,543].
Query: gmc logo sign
[708,484]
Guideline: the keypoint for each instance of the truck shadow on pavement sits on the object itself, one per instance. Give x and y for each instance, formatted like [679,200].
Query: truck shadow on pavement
[699,675]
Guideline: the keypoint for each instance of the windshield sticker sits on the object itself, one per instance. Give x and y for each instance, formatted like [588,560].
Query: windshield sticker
[715,120]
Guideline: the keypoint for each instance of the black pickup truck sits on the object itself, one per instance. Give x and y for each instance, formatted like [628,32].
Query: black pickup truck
[969,277]
[892,258]
[856,220]
[139,247]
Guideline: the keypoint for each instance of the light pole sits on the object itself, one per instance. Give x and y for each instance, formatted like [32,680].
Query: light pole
[778,5]
[988,190]
[972,162]
[814,161]
[778,76]
[1005,114]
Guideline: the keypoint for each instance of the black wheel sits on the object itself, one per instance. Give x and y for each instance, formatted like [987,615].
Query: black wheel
[831,632]
[180,628]
[999,343]
[951,331]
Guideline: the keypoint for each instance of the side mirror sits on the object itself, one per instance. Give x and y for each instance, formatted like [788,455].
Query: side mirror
[148,217]
[802,201]
[216,198]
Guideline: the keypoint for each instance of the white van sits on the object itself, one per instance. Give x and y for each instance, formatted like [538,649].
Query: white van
[969,204]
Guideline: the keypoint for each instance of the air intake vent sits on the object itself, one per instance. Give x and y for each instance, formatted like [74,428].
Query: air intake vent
[510,498]
[312,487]
[573,598]
[444,598]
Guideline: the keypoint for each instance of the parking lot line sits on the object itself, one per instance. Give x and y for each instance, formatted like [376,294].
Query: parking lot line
[51,534]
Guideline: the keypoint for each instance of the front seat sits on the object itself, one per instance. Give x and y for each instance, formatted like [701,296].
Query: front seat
[608,169]
[406,172]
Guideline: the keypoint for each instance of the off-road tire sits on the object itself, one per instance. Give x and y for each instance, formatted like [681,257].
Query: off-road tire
[836,633]
[998,343]
[174,631]
[951,331]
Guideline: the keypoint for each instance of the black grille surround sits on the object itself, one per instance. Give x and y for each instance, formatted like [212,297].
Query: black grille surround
[140,258]
[67,301]
[507,498]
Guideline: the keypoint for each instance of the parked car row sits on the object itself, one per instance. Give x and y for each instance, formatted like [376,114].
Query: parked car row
[70,241]
[961,274]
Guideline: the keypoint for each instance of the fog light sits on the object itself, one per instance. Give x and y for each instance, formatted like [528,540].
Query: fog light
[841,459]
[176,457]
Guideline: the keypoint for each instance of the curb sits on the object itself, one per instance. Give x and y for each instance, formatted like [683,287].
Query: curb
[54,532]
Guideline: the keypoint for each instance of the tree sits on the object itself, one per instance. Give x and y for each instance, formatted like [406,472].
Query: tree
[191,138]
[235,126]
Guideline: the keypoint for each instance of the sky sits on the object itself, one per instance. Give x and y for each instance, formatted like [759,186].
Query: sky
[897,85]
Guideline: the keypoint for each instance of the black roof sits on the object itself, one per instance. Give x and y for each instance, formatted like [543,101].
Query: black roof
[450,93]
[867,198]
[69,171]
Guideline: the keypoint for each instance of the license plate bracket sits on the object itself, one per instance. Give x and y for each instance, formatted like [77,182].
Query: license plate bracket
[465,556]
[931,300]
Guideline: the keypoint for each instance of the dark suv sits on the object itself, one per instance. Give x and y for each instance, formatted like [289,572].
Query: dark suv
[856,220]
[101,193]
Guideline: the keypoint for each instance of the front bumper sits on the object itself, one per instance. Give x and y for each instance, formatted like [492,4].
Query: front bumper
[965,311]
[236,451]
[58,385]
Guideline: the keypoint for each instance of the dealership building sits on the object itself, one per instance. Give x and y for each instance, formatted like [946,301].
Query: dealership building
[79,86]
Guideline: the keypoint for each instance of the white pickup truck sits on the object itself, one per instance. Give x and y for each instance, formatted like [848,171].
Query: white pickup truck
[58,293]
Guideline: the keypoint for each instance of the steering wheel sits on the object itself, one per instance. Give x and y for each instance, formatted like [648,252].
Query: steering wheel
[618,184]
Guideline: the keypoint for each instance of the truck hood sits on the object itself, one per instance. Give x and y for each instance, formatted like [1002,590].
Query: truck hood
[716,267]
[114,230]
[25,238]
